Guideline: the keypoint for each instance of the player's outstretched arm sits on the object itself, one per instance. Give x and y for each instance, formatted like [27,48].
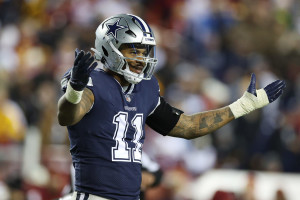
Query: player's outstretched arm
[77,100]
[197,125]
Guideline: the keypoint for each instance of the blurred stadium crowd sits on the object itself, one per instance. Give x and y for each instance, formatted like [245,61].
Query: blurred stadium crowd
[207,50]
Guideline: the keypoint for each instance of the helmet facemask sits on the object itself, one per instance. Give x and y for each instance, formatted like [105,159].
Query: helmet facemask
[139,57]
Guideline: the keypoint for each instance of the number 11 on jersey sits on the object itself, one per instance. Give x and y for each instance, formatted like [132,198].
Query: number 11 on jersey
[121,151]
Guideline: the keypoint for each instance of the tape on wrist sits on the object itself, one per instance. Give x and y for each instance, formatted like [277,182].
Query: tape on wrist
[248,102]
[73,96]
[236,109]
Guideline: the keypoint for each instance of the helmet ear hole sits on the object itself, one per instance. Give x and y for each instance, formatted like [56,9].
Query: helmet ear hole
[103,60]
[104,51]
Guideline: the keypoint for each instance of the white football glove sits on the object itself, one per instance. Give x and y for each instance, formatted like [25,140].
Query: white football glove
[254,99]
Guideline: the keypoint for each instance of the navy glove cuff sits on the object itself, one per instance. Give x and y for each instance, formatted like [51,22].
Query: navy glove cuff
[78,85]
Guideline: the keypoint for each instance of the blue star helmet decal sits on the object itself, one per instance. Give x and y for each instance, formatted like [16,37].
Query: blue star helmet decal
[113,28]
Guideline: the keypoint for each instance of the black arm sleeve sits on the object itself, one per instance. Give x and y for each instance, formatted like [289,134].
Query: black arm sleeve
[164,118]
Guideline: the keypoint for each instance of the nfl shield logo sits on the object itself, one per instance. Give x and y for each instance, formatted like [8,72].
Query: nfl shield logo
[127,97]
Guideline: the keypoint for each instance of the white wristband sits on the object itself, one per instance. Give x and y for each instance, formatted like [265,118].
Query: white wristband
[73,96]
[249,102]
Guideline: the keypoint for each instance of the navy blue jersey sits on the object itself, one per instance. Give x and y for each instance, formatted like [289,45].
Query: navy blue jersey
[106,145]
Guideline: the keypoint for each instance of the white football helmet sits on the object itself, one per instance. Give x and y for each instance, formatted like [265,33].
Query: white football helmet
[130,30]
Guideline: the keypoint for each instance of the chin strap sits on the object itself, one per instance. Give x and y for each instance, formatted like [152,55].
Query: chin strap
[132,77]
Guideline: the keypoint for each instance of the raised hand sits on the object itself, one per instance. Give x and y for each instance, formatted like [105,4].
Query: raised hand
[83,66]
[254,99]
[275,90]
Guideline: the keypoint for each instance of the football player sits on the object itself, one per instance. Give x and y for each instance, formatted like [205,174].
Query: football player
[105,110]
